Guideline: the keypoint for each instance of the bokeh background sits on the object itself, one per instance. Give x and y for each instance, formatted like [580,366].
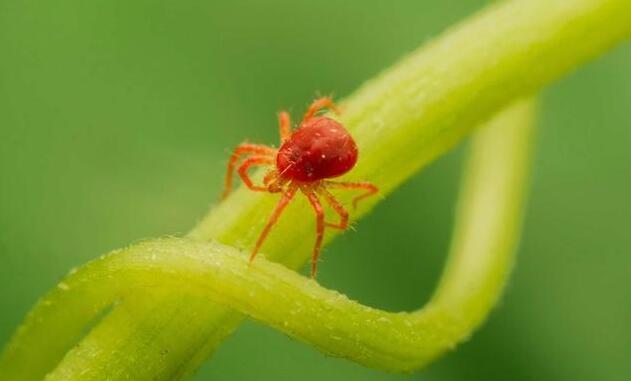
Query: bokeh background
[116,118]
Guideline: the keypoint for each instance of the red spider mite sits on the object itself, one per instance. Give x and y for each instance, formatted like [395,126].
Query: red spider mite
[318,150]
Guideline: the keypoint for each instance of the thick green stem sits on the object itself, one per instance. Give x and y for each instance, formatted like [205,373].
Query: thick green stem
[401,120]
[171,282]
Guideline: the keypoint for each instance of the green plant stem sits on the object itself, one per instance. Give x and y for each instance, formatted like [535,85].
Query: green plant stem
[401,120]
[148,273]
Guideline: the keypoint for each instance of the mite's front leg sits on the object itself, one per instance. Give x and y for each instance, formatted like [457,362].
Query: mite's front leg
[250,162]
[240,150]
[319,104]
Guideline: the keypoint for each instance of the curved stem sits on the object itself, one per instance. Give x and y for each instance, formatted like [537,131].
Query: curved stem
[402,120]
[183,273]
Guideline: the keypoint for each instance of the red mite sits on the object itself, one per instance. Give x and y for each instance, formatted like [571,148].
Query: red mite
[318,150]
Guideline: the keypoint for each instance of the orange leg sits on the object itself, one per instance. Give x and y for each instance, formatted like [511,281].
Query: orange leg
[368,187]
[274,182]
[284,201]
[284,125]
[243,149]
[317,207]
[249,162]
[270,177]
[339,209]
[317,105]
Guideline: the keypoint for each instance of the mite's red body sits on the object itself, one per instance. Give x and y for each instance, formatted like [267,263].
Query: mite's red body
[318,150]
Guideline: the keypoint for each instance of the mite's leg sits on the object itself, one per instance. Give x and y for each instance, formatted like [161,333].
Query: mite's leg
[317,207]
[249,162]
[273,182]
[368,187]
[284,125]
[339,209]
[285,199]
[317,105]
[270,178]
[243,149]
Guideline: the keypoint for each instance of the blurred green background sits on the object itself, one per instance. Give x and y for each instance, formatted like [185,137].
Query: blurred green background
[116,119]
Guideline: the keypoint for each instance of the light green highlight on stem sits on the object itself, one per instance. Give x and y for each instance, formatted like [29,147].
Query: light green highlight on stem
[401,120]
